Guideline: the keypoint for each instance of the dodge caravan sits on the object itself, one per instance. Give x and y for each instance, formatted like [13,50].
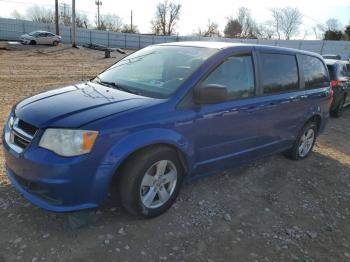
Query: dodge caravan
[163,115]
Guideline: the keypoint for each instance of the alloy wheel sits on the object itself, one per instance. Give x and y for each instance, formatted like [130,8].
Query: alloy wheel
[158,184]
[306,142]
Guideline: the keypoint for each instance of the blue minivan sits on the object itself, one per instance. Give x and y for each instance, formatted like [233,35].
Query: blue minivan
[163,115]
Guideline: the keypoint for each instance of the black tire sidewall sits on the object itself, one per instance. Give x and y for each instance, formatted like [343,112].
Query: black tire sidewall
[133,174]
[340,106]
[337,112]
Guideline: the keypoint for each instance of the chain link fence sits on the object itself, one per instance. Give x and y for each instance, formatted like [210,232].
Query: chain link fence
[12,29]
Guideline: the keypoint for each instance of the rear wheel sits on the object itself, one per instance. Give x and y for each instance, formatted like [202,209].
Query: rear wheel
[32,42]
[337,112]
[150,181]
[304,143]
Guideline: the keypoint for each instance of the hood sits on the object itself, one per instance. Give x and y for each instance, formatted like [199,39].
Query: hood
[26,36]
[76,105]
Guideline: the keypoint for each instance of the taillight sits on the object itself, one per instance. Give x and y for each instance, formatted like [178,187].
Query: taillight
[335,83]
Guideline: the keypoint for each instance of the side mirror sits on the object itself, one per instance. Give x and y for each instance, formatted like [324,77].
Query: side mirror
[210,94]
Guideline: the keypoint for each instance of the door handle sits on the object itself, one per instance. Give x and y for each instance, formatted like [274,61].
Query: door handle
[303,96]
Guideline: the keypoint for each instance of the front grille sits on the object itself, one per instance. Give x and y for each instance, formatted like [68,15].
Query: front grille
[26,127]
[19,141]
[22,133]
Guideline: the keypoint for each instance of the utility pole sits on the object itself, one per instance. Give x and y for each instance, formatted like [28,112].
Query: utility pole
[131,22]
[56,17]
[65,13]
[74,44]
[98,3]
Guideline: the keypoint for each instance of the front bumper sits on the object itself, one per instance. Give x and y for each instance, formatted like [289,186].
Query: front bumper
[25,41]
[57,183]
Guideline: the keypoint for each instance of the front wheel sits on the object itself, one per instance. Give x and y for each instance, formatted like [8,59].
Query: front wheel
[304,143]
[150,181]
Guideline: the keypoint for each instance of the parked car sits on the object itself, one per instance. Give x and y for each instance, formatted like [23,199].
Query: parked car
[40,38]
[336,57]
[162,115]
[339,72]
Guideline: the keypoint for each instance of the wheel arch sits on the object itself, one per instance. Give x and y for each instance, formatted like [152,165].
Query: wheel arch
[135,143]
[179,152]
[317,119]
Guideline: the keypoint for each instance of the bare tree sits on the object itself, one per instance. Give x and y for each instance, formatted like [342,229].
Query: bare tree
[264,30]
[246,21]
[166,16]
[41,14]
[110,22]
[333,24]
[81,20]
[17,15]
[233,28]
[127,29]
[292,19]
[318,31]
[212,30]
[277,20]
[286,21]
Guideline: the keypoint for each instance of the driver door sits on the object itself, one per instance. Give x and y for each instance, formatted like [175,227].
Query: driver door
[227,132]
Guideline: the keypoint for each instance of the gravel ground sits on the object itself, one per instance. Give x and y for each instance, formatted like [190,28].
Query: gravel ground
[272,210]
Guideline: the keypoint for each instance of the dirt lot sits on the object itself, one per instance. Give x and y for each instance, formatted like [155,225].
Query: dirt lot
[273,210]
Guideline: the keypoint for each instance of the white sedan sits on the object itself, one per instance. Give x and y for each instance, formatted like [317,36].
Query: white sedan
[40,38]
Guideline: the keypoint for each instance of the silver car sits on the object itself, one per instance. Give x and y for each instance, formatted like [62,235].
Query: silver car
[40,38]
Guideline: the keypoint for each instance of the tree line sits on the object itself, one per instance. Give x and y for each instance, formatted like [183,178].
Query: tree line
[284,23]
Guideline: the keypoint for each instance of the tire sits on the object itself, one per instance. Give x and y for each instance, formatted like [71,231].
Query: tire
[32,42]
[338,111]
[55,43]
[295,153]
[142,189]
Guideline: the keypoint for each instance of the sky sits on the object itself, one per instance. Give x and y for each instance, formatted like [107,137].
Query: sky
[195,13]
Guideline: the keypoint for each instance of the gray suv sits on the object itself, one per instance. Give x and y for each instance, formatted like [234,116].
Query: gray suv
[339,72]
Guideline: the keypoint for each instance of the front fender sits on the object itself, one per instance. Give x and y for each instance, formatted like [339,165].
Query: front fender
[138,140]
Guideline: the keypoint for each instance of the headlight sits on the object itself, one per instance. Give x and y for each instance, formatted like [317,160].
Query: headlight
[67,142]
[11,121]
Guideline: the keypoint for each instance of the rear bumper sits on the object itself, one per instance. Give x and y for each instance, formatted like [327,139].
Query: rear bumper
[56,183]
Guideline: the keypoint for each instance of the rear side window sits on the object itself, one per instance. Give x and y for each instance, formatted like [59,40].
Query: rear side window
[236,74]
[315,73]
[332,71]
[344,70]
[279,73]
[348,67]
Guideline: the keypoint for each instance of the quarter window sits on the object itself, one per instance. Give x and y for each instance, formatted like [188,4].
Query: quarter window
[315,73]
[344,71]
[236,73]
[279,73]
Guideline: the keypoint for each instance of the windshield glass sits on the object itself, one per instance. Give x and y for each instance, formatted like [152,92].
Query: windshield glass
[34,33]
[156,71]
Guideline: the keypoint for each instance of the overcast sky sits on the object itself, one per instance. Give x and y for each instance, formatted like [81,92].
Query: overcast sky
[195,13]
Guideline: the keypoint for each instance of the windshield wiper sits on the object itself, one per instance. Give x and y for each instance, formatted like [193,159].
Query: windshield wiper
[115,86]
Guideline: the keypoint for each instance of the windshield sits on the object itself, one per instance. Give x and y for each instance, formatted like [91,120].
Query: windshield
[34,33]
[156,71]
